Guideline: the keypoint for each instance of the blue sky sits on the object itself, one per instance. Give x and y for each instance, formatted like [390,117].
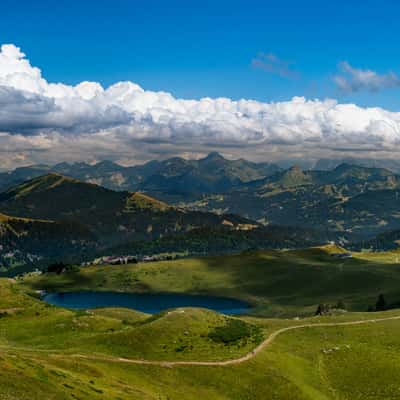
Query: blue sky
[196,49]
[319,79]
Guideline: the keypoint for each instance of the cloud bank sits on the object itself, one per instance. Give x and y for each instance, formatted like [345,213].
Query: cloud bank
[354,79]
[42,121]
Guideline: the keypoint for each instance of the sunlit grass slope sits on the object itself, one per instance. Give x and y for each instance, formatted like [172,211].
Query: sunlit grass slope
[43,349]
[277,283]
[179,334]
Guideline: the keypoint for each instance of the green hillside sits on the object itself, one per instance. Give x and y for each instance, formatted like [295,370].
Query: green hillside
[50,352]
[58,218]
[26,243]
[353,202]
[305,364]
[278,283]
[111,216]
[385,241]
[224,240]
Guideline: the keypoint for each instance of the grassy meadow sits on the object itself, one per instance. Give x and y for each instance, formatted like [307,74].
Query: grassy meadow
[48,352]
[277,283]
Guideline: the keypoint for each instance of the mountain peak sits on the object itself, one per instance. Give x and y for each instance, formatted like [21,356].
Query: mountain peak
[39,184]
[294,172]
[295,169]
[106,163]
[214,156]
[295,176]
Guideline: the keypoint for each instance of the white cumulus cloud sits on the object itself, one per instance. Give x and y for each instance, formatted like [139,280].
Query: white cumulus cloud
[45,121]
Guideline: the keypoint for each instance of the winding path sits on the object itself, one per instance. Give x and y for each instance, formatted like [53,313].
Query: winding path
[246,357]
[170,364]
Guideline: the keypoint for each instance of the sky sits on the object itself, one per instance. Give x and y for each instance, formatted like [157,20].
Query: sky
[263,80]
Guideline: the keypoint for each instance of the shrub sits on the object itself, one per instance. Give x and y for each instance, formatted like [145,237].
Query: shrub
[60,267]
[340,305]
[233,331]
[57,268]
[323,309]
[381,303]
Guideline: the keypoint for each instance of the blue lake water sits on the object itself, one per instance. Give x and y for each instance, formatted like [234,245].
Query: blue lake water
[148,303]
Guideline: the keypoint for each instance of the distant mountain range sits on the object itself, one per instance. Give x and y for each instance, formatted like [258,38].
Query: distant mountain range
[176,203]
[211,174]
[178,176]
[353,202]
[54,217]
[329,163]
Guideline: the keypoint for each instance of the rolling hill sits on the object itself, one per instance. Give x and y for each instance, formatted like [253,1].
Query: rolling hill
[52,352]
[110,215]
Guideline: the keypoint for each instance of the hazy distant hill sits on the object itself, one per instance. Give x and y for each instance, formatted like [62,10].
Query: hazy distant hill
[213,173]
[331,163]
[350,200]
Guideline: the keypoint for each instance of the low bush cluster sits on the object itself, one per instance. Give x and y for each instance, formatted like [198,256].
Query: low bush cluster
[233,331]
